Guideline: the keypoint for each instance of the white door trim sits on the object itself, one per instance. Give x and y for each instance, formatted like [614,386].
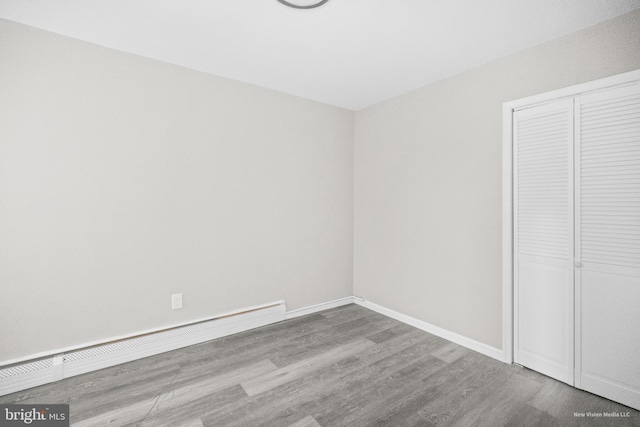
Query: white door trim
[507,187]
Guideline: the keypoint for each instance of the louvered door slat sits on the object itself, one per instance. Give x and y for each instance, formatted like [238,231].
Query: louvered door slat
[608,243]
[543,229]
[577,240]
[626,233]
[543,180]
[610,120]
[596,104]
[611,163]
[622,131]
[622,145]
[613,109]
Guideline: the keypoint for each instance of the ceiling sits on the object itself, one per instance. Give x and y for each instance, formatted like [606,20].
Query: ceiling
[348,53]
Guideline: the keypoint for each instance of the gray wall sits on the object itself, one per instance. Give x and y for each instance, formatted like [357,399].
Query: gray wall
[124,180]
[428,179]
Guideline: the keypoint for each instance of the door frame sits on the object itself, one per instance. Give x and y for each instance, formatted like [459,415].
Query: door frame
[508,109]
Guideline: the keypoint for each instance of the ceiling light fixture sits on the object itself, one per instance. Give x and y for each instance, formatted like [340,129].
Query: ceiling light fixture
[302,4]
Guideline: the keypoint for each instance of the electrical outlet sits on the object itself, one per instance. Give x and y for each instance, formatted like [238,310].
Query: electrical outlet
[176,301]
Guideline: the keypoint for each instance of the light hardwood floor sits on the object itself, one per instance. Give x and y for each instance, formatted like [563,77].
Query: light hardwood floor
[347,366]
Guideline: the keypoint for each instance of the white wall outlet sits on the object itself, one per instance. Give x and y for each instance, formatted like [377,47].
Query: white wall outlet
[176,301]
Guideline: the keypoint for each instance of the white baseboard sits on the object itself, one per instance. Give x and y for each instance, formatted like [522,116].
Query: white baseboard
[29,374]
[474,345]
[91,357]
[319,307]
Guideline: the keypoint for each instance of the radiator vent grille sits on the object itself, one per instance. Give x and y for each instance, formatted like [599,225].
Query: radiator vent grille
[138,341]
[26,368]
[45,370]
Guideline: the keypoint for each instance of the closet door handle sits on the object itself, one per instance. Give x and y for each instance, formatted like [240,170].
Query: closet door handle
[578,264]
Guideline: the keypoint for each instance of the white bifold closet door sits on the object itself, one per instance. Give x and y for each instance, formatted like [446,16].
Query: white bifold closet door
[577,241]
[608,244]
[543,246]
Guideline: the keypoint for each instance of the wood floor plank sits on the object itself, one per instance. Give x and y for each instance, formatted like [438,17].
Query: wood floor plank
[270,380]
[552,397]
[282,399]
[291,397]
[341,395]
[372,362]
[359,405]
[405,410]
[527,416]
[306,422]
[324,340]
[171,397]
[500,406]
[394,331]
[175,415]
[432,402]
[192,423]
[425,343]
[347,366]
[450,352]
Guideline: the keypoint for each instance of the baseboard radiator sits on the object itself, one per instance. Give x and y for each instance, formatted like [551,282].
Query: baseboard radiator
[25,375]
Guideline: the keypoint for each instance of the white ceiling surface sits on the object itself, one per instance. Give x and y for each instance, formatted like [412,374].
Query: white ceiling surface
[348,53]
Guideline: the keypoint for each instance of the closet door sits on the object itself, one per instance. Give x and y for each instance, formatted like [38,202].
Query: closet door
[608,244]
[543,243]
